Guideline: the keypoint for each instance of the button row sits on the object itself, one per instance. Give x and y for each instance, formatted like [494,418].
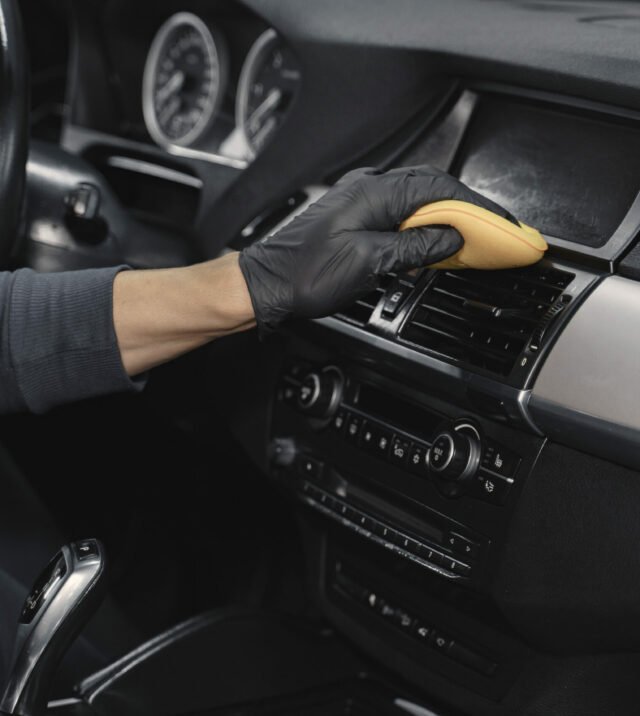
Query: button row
[381,441]
[400,543]
[415,626]
[491,484]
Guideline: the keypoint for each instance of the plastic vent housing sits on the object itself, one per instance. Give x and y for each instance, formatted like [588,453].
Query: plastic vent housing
[483,319]
[360,312]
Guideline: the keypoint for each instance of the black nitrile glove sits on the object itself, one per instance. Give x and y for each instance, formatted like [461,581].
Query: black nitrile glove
[336,251]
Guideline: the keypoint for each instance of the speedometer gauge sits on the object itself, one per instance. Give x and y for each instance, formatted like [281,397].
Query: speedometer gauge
[268,82]
[183,81]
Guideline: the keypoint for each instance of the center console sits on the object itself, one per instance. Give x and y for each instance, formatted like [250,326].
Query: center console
[402,427]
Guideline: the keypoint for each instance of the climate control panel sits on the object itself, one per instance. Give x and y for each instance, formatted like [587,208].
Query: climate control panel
[328,416]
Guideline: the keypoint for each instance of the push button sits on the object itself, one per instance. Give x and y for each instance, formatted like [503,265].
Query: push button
[417,459]
[309,467]
[394,297]
[408,544]
[461,545]
[354,424]
[339,420]
[386,533]
[500,460]
[441,642]
[441,452]
[366,523]
[399,451]
[455,567]
[422,632]
[430,555]
[368,436]
[87,549]
[491,488]
[382,442]
[403,619]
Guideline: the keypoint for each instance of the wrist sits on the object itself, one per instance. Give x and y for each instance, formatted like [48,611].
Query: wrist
[230,302]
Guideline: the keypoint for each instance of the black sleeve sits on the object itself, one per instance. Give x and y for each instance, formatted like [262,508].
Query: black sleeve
[57,339]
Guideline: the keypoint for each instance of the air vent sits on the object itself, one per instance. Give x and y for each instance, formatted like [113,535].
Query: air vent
[483,319]
[361,311]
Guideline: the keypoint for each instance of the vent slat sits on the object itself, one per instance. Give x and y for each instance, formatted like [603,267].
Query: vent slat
[361,311]
[496,327]
[456,316]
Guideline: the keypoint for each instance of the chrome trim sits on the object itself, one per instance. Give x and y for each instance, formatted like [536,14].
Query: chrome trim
[154,170]
[63,703]
[390,546]
[78,139]
[211,157]
[248,66]
[98,682]
[149,76]
[33,639]
[413,709]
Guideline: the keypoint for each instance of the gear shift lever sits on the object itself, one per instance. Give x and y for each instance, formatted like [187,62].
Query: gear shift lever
[63,598]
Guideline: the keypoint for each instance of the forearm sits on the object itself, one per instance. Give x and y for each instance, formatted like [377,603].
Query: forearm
[163,313]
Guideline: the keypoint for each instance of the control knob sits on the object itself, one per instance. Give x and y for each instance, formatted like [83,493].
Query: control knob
[320,392]
[455,453]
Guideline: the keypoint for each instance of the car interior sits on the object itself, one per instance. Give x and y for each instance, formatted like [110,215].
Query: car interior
[427,504]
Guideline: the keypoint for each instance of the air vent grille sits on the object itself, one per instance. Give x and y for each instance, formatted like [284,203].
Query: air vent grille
[483,319]
[361,311]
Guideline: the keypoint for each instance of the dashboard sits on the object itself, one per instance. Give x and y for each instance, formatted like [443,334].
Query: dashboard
[461,448]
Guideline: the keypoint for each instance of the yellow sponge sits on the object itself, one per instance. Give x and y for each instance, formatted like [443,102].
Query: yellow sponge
[490,242]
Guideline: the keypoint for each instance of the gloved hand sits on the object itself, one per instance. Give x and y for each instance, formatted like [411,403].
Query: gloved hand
[336,251]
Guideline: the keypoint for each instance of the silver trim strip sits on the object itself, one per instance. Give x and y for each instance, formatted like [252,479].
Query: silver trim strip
[413,709]
[258,48]
[154,170]
[210,157]
[62,703]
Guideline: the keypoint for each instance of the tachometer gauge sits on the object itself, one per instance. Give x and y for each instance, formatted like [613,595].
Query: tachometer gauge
[183,82]
[268,82]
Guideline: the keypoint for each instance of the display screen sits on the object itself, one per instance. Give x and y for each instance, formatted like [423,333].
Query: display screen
[571,176]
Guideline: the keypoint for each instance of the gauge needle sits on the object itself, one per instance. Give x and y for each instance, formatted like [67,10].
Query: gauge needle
[173,84]
[172,106]
[271,101]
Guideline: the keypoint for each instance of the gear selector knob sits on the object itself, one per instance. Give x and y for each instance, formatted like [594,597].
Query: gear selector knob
[63,598]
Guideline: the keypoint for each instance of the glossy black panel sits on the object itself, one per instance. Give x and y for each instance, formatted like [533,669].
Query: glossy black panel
[571,176]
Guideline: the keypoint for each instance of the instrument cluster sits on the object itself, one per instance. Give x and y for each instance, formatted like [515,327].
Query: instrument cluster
[186,76]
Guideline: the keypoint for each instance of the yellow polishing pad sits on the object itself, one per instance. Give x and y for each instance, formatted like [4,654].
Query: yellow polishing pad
[490,242]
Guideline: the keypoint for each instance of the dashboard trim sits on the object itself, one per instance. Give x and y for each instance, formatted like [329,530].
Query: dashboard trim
[154,170]
[584,393]
[514,399]
[243,83]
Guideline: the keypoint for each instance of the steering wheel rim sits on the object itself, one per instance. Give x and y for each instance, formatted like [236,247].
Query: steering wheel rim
[14,124]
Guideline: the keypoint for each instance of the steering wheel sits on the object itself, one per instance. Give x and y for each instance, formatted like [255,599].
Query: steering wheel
[14,123]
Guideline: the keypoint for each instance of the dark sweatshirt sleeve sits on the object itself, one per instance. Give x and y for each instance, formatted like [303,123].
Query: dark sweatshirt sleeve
[57,339]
